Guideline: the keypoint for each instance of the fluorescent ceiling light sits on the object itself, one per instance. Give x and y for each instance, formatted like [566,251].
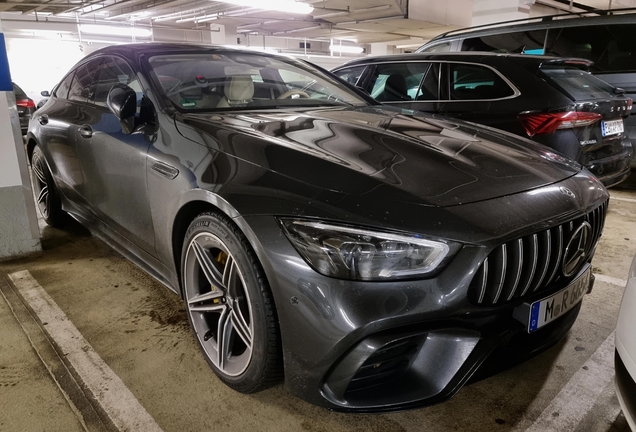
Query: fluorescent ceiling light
[349,49]
[206,18]
[289,6]
[115,30]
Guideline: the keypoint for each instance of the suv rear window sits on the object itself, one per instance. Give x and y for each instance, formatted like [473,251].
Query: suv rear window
[578,84]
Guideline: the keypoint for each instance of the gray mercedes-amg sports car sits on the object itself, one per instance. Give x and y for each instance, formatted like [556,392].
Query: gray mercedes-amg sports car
[373,258]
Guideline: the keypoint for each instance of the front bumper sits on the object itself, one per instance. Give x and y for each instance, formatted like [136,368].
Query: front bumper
[380,346]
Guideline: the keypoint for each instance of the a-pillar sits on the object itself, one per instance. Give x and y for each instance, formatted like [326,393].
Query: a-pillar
[19,233]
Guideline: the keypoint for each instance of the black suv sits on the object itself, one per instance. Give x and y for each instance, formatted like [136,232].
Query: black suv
[550,100]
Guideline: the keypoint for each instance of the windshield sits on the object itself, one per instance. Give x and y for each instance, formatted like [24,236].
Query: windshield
[228,81]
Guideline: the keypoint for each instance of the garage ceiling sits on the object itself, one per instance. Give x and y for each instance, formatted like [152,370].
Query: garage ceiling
[359,21]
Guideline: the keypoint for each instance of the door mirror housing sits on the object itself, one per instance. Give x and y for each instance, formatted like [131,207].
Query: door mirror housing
[122,101]
[45,93]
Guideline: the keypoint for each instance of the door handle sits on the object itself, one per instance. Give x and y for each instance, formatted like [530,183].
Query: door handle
[43,119]
[85,131]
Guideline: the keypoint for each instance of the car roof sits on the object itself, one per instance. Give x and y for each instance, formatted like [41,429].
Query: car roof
[541,22]
[136,49]
[472,56]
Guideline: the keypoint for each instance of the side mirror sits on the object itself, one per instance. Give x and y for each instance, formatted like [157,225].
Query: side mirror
[122,101]
[45,93]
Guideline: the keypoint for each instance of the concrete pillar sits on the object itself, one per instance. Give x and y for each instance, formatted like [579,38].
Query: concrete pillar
[19,233]
[379,49]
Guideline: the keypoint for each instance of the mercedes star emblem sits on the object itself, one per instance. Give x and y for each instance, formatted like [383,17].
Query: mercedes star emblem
[577,249]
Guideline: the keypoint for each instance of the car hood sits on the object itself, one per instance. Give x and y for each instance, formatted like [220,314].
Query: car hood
[383,153]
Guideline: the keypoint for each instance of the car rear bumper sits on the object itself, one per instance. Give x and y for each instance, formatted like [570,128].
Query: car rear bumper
[614,169]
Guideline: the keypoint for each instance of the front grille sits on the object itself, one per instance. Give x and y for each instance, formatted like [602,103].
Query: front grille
[532,264]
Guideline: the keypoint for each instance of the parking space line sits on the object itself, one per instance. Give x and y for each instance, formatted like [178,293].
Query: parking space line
[580,394]
[623,199]
[117,401]
[610,280]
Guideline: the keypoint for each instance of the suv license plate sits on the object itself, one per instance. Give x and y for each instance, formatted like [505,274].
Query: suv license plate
[543,312]
[612,127]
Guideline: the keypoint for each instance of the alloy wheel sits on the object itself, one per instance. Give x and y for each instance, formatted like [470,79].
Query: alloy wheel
[41,186]
[219,304]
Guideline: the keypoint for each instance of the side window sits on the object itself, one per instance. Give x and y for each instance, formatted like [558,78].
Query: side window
[528,42]
[397,82]
[439,48]
[113,71]
[350,75]
[471,82]
[62,89]
[82,87]
[429,90]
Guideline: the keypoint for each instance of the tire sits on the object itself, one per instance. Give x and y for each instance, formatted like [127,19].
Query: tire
[47,198]
[226,294]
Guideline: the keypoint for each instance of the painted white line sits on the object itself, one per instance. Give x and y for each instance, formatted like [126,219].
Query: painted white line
[623,199]
[610,280]
[579,395]
[124,410]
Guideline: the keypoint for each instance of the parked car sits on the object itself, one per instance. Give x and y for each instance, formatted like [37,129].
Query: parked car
[45,97]
[550,100]
[625,358]
[374,256]
[604,37]
[26,107]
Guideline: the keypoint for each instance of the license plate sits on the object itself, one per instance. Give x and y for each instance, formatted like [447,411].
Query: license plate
[543,312]
[612,127]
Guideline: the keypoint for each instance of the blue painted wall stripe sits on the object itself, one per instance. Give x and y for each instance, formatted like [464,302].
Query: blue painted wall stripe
[5,75]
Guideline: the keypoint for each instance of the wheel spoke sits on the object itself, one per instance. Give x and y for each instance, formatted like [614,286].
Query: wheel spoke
[241,327]
[224,339]
[213,276]
[38,173]
[208,308]
[43,195]
[206,297]
[230,277]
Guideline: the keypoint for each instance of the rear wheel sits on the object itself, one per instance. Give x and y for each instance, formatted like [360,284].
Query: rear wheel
[46,196]
[229,304]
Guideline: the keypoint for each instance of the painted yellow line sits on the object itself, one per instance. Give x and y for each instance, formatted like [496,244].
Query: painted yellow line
[124,410]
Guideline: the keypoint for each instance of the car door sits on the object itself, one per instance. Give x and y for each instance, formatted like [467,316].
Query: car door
[114,163]
[58,123]
[478,93]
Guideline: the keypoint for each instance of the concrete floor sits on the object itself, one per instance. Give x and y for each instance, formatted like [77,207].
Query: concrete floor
[140,330]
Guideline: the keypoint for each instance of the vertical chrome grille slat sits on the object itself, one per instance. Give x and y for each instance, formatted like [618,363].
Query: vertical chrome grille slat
[519,268]
[530,264]
[546,260]
[504,265]
[484,281]
[559,249]
[535,246]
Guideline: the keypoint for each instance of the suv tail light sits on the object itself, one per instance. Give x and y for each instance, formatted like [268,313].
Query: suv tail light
[25,103]
[547,123]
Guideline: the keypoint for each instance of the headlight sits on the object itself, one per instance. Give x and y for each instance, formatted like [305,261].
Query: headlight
[350,253]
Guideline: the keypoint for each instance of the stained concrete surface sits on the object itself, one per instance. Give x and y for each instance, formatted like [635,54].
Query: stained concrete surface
[140,329]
